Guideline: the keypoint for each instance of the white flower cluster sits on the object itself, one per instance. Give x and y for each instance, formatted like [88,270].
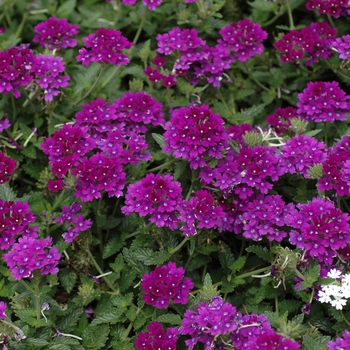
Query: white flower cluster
[338,292]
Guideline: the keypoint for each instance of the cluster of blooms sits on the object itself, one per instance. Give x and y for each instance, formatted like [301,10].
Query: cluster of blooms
[336,169]
[319,228]
[217,324]
[336,293]
[165,284]
[3,307]
[104,46]
[155,195]
[151,4]
[334,8]
[200,211]
[342,46]
[195,134]
[307,44]
[281,119]
[323,102]
[31,253]
[342,342]
[7,168]
[69,216]
[56,34]
[157,338]
[15,219]
[300,153]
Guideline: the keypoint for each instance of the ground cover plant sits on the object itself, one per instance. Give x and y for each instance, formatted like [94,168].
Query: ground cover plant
[174,174]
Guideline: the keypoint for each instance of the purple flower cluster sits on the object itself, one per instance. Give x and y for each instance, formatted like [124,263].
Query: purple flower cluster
[166,284]
[76,222]
[157,196]
[334,8]
[323,102]
[7,168]
[342,342]
[336,169]
[196,134]
[307,44]
[199,212]
[319,228]
[280,120]
[300,153]
[31,253]
[104,46]
[272,341]
[56,34]
[157,338]
[151,4]
[3,307]
[342,46]
[15,220]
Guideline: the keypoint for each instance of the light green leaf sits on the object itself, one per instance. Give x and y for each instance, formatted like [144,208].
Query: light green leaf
[170,318]
[159,139]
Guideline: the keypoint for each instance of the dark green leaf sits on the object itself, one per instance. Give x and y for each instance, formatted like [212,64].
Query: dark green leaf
[6,193]
[95,337]
[261,252]
[159,139]
[170,318]
[68,279]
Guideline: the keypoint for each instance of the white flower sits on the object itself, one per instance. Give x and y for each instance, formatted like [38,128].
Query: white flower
[338,303]
[334,273]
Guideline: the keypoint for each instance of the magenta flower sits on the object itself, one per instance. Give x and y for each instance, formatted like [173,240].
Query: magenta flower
[272,341]
[3,307]
[243,38]
[7,168]
[157,338]
[280,120]
[156,196]
[31,253]
[323,102]
[342,342]
[104,46]
[196,134]
[56,34]
[4,123]
[342,46]
[334,8]
[166,284]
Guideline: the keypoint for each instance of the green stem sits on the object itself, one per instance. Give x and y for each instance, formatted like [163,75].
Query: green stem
[255,272]
[25,284]
[276,305]
[290,16]
[14,109]
[128,330]
[164,165]
[92,86]
[330,19]
[172,252]
[58,201]
[21,25]
[106,280]
[345,319]
[273,19]
[193,177]
[257,82]
[325,133]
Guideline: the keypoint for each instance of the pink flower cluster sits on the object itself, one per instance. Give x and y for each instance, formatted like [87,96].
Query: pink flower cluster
[334,8]
[7,168]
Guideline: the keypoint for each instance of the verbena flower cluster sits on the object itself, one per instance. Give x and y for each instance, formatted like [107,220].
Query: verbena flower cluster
[334,8]
[342,46]
[307,44]
[166,284]
[280,120]
[342,342]
[7,168]
[104,46]
[3,307]
[156,338]
[56,34]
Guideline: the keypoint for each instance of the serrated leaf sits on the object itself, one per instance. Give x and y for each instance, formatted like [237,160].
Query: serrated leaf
[37,342]
[170,318]
[6,193]
[263,5]
[68,322]
[159,139]
[101,220]
[68,279]
[135,70]
[66,8]
[95,337]
[111,223]
[179,168]
[227,286]
[261,252]
[273,318]
[313,132]
[207,281]
[226,257]
[112,316]
[242,93]
[318,343]
[238,264]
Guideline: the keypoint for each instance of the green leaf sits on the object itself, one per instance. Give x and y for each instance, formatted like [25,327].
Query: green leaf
[319,343]
[67,323]
[135,70]
[179,168]
[170,318]
[207,281]
[313,132]
[95,337]
[243,93]
[66,8]
[159,139]
[225,256]
[68,279]
[6,193]
[263,5]
[114,245]
[112,316]
[37,342]
[261,252]
[227,286]
[111,223]
[101,219]
[238,264]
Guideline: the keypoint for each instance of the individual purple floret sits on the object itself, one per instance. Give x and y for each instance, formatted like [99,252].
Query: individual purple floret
[47,71]
[166,284]
[319,228]
[334,8]
[280,120]
[104,46]
[155,195]
[31,253]
[244,38]
[342,342]
[196,134]
[4,123]
[76,221]
[300,153]
[323,102]
[272,341]
[307,44]
[342,46]
[7,168]
[16,69]
[200,211]
[3,307]
[15,219]
[156,338]
[55,34]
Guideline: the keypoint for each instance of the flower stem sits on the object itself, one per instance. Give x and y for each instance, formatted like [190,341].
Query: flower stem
[255,272]
[290,16]
[345,319]
[173,251]
[257,82]
[21,25]
[164,165]
[58,201]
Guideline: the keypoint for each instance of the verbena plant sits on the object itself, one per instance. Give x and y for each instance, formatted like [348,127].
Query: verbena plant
[174,174]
